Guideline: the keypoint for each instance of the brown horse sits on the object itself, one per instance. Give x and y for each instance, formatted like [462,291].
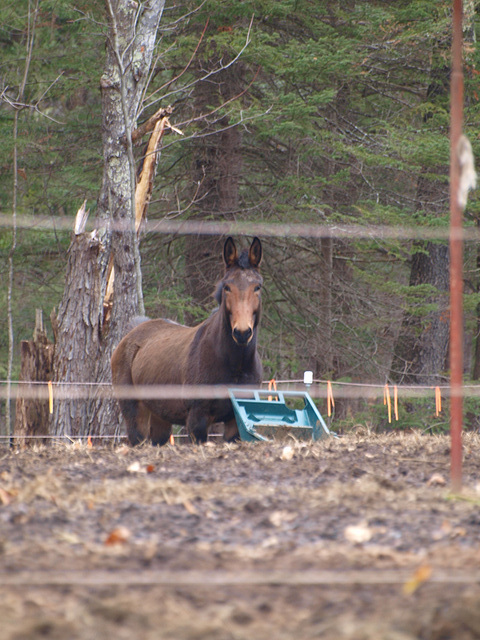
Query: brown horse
[220,350]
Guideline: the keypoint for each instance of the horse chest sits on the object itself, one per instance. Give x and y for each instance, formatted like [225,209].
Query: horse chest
[240,371]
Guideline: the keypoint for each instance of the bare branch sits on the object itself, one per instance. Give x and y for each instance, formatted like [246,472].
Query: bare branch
[187,66]
[210,74]
[144,188]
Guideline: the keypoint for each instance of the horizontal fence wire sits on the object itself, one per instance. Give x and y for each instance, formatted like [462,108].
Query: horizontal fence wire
[265,229]
[319,390]
[218,577]
[324,390]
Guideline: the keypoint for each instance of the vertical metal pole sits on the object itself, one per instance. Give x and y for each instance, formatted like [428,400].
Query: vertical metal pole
[456,252]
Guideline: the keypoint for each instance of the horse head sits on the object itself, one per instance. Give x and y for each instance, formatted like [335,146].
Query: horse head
[239,291]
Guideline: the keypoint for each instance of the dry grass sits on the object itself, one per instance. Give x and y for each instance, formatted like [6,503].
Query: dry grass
[204,528]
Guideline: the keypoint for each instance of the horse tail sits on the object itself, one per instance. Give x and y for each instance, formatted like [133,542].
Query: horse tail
[121,364]
[136,321]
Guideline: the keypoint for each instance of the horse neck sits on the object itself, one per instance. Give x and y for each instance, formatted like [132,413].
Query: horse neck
[240,358]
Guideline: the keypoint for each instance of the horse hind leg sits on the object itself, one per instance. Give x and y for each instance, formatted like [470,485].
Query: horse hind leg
[133,410]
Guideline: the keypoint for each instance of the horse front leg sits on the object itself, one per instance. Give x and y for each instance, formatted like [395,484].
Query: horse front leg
[160,430]
[198,422]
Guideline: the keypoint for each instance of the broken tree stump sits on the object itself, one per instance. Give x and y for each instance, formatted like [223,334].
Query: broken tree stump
[32,407]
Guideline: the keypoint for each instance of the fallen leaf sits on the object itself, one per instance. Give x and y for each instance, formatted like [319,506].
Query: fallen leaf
[421,575]
[69,537]
[358,533]
[278,518]
[443,531]
[123,450]
[189,507]
[150,468]
[287,453]
[436,479]
[136,468]
[120,535]
[5,497]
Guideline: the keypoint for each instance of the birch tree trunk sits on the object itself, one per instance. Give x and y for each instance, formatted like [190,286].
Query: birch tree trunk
[84,342]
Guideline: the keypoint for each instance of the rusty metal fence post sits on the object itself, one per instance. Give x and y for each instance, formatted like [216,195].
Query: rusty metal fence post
[456,251]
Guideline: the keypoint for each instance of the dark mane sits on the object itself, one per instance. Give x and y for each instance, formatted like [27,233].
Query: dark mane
[218,292]
[243,261]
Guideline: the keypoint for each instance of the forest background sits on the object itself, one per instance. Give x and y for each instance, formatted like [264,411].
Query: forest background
[292,112]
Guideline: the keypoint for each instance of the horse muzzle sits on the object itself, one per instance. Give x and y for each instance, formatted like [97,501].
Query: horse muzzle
[242,338]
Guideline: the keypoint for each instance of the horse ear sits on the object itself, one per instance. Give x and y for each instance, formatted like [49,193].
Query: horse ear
[230,255]
[255,253]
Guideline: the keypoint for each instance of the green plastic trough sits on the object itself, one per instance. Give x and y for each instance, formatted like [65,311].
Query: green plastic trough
[265,415]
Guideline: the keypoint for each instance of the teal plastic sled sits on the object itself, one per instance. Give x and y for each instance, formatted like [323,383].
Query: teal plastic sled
[264,415]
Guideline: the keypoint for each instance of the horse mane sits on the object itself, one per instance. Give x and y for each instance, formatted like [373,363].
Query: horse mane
[244,261]
[218,292]
[137,320]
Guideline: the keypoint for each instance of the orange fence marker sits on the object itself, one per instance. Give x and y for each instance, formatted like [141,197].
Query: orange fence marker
[272,385]
[330,399]
[395,402]
[50,396]
[438,401]
[388,402]
[172,440]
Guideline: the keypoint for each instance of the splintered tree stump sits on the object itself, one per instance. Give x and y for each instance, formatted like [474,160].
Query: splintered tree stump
[77,329]
[32,408]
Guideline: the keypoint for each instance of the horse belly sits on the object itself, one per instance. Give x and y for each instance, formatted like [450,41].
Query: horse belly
[159,364]
[173,411]
[222,411]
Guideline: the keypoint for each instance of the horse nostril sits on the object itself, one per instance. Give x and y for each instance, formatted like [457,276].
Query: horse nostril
[242,337]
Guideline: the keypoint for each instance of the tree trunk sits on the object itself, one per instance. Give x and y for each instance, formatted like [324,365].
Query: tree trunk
[84,343]
[324,351]
[31,418]
[217,168]
[422,347]
[78,333]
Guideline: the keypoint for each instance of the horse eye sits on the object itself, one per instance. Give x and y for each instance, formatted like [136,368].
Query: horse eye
[257,288]
[226,288]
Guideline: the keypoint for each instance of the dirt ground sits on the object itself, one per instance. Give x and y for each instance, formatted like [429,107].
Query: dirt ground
[352,538]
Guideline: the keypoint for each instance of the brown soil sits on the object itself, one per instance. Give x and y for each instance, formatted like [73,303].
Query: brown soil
[354,538]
